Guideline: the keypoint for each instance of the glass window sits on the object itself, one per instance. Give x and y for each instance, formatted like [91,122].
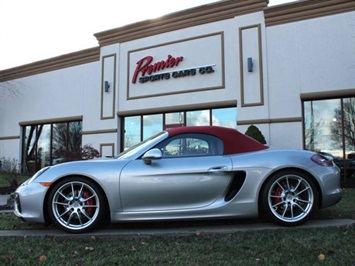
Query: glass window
[44,146]
[49,144]
[132,131]
[349,137]
[320,119]
[174,119]
[349,127]
[152,125]
[59,146]
[29,149]
[225,117]
[74,140]
[330,129]
[198,118]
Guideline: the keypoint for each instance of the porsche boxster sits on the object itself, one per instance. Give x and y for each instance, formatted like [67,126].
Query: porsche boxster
[182,173]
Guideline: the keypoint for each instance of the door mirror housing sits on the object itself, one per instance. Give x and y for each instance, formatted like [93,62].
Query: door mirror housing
[153,154]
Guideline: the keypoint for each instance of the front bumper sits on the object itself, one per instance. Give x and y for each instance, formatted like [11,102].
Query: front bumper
[29,202]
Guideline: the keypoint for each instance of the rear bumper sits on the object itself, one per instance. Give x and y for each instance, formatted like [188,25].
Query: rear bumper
[330,187]
[332,197]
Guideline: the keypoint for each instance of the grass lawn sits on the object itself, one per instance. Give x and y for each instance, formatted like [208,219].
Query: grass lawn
[288,246]
[328,246]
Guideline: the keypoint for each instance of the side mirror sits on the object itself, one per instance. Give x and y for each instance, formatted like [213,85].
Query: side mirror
[153,154]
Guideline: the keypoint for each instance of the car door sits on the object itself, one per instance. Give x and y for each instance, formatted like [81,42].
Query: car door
[192,173]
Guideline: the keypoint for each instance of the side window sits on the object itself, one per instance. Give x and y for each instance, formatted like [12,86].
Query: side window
[191,145]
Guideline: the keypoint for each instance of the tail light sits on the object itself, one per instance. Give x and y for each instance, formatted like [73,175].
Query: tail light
[322,160]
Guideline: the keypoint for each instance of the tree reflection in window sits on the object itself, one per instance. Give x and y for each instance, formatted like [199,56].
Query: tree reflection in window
[347,112]
[48,144]
[330,128]
[66,142]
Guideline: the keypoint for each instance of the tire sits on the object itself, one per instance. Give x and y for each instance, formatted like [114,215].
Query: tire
[76,205]
[289,198]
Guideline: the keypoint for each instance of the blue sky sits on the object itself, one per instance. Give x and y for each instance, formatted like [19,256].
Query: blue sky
[39,29]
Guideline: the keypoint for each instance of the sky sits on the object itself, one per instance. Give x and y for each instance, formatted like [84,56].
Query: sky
[34,30]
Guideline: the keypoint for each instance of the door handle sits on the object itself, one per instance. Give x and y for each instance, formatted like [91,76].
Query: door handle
[218,169]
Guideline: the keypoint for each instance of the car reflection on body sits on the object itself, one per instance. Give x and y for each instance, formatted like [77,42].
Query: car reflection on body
[183,173]
[346,166]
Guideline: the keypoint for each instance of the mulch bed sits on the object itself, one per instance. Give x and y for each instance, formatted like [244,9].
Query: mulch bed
[7,190]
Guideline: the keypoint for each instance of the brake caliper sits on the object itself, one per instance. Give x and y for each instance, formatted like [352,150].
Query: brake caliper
[278,192]
[89,210]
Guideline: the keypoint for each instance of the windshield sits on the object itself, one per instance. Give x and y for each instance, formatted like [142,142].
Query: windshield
[132,150]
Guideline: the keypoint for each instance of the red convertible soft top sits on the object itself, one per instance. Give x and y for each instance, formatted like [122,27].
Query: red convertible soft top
[234,141]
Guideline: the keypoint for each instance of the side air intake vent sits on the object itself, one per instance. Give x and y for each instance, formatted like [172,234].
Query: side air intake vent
[235,185]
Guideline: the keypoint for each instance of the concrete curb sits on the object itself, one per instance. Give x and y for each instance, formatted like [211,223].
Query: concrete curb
[3,199]
[174,231]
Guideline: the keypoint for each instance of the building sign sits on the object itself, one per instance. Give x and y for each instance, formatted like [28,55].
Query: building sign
[147,71]
[182,66]
[145,66]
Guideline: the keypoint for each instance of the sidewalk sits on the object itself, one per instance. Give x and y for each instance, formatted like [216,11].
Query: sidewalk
[178,230]
[3,199]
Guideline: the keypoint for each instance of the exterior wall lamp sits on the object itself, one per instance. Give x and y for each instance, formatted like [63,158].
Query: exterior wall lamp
[250,64]
[107,86]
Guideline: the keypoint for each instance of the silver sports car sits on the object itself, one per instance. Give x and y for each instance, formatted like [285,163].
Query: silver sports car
[182,173]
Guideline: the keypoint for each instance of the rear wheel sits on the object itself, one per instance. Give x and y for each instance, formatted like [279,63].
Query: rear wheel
[76,205]
[289,198]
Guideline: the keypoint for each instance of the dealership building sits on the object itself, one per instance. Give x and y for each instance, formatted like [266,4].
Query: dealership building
[288,69]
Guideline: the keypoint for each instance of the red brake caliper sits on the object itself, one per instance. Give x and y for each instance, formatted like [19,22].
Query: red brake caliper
[278,192]
[89,210]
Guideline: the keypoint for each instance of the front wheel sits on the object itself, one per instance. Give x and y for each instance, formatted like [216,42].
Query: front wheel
[76,205]
[289,198]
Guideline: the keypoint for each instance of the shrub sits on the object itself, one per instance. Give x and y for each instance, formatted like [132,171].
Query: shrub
[9,170]
[256,134]
[89,152]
